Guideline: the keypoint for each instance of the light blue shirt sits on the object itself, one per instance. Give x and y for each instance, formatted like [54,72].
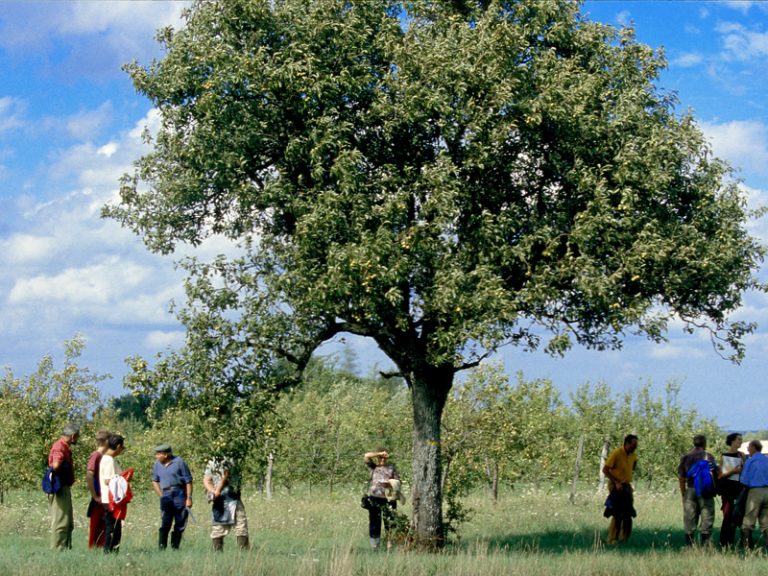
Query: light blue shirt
[755,473]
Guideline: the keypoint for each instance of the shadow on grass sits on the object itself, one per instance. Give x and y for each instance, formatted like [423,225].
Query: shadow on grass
[565,541]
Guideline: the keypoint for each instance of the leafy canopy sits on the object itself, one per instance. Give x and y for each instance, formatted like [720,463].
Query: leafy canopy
[445,177]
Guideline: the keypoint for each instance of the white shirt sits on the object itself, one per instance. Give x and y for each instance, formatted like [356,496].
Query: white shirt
[107,469]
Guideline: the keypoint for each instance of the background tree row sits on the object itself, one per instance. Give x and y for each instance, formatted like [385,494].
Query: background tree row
[497,433]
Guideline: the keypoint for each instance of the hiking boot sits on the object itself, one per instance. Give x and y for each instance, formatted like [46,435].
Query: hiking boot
[218,544]
[162,540]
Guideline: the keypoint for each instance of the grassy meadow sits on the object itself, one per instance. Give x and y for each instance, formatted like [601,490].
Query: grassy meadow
[529,532]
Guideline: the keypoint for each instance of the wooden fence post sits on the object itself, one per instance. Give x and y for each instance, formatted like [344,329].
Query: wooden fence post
[603,458]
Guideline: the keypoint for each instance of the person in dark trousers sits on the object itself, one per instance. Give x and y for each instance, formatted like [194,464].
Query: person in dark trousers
[109,468]
[383,475]
[729,487]
[698,511]
[619,469]
[172,482]
[95,511]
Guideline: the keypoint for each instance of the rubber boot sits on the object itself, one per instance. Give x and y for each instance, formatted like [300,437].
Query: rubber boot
[242,542]
[375,543]
[746,539]
[162,540]
[218,544]
[176,539]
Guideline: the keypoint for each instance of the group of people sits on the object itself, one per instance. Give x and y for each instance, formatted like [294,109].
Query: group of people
[741,481]
[110,493]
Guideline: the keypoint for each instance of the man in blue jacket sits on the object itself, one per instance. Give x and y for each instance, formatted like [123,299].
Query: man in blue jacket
[755,477]
[172,481]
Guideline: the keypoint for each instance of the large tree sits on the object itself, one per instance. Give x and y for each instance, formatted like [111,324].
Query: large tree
[443,177]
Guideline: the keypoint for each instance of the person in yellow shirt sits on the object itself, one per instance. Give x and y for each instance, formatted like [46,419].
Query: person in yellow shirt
[619,469]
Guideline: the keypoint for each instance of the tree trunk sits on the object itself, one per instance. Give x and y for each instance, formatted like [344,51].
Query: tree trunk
[577,469]
[429,393]
[268,479]
[495,482]
[492,478]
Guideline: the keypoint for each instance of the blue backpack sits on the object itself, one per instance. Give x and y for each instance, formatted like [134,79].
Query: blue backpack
[703,476]
[51,483]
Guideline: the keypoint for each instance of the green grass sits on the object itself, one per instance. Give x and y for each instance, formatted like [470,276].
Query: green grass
[529,532]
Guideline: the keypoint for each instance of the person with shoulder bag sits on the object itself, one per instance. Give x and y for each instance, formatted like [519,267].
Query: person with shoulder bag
[384,479]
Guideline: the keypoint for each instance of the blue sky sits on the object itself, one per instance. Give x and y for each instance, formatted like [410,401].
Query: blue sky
[70,125]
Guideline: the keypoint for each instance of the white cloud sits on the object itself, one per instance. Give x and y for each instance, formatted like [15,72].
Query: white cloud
[89,123]
[92,38]
[754,309]
[161,340]
[66,264]
[11,110]
[109,149]
[744,143]
[66,270]
[672,351]
[118,16]
[29,23]
[624,18]
[757,199]
[741,44]
[743,6]
[691,29]
[26,248]
[687,60]
[757,343]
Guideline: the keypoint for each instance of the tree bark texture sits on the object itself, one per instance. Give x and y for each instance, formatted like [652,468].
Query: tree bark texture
[429,394]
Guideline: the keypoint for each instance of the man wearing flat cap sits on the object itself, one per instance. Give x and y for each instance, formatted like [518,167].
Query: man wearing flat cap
[172,481]
[60,503]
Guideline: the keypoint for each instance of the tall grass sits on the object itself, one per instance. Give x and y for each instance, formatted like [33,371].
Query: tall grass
[528,532]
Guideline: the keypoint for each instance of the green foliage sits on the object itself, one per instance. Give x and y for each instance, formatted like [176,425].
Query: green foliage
[332,420]
[140,408]
[502,433]
[437,181]
[665,428]
[35,409]
[499,434]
